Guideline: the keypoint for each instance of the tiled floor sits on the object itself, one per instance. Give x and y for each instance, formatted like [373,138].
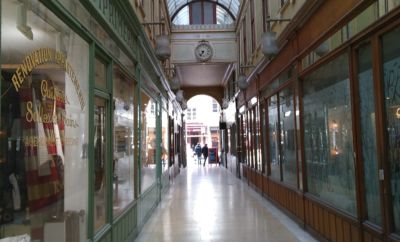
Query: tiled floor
[210,204]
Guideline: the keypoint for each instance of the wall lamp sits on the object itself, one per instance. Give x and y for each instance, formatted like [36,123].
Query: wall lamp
[269,45]
[242,78]
[163,50]
[174,83]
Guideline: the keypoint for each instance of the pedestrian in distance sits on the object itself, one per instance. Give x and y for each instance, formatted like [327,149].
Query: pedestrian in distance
[197,150]
[204,150]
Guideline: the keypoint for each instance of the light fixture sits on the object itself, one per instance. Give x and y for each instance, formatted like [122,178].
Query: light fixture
[174,83]
[184,105]
[225,103]
[179,96]
[22,21]
[269,45]
[163,50]
[173,78]
[242,78]
[242,82]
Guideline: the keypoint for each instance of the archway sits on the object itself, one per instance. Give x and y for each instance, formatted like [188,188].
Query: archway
[202,118]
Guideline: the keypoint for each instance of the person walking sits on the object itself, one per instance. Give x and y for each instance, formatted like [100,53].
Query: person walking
[204,150]
[197,150]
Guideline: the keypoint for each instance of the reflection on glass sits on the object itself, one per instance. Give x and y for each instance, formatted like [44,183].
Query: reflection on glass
[391,66]
[165,135]
[273,133]
[287,138]
[43,126]
[100,157]
[148,141]
[245,146]
[123,157]
[258,139]
[368,136]
[328,141]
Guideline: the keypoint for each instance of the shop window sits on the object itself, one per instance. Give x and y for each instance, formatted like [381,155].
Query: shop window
[258,139]
[100,160]
[391,78]
[148,142]
[43,126]
[287,136]
[123,156]
[368,136]
[328,141]
[273,133]
[164,141]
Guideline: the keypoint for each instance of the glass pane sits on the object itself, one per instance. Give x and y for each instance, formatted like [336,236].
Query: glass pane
[100,74]
[273,137]
[391,64]
[258,139]
[148,141]
[196,13]
[123,157]
[165,135]
[368,136]
[100,157]
[209,10]
[328,141]
[264,142]
[288,148]
[43,126]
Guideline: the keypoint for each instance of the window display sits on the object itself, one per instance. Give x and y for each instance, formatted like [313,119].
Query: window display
[328,139]
[123,158]
[164,146]
[368,136]
[287,138]
[100,158]
[273,133]
[391,78]
[43,125]
[148,141]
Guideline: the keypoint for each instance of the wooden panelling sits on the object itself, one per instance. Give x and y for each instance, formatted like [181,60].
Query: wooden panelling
[355,234]
[339,229]
[332,223]
[367,237]
[346,232]
[329,224]
[265,185]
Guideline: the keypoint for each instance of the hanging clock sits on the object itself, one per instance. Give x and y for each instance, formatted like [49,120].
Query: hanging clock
[203,51]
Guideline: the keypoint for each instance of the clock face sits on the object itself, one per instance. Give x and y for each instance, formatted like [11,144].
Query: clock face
[203,52]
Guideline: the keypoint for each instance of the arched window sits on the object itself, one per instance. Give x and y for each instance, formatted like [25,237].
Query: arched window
[202,13]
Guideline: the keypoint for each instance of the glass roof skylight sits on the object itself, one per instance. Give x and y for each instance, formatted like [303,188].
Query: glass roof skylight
[227,11]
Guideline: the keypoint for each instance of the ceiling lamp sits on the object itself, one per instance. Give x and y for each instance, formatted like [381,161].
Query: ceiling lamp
[163,50]
[179,96]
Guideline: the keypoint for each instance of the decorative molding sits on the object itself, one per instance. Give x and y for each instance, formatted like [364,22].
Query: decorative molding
[204,27]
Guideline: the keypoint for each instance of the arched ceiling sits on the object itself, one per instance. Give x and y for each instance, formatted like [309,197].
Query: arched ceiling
[229,6]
